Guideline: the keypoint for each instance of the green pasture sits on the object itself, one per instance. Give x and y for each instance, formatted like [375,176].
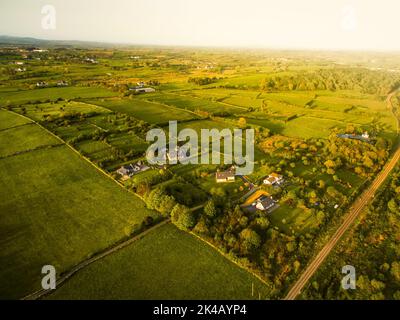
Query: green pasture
[59,213]
[23,138]
[36,95]
[152,268]
[9,120]
[147,111]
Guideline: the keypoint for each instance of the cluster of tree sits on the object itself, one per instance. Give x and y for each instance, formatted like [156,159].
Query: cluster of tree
[364,159]
[359,79]
[185,193]
[250,240]
[182,191]
[203,81]
[372,249]
[328,156]
[68,117]
[158,199]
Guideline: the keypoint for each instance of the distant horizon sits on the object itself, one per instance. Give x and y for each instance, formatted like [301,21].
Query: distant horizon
[312,25]
[222,47]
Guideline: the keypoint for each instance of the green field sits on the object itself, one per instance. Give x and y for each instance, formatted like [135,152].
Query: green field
[293,220]
[59,213]
[25,96]
[23,138]
[8,120]
[58,208]
[187,102]
[37,112]
[166,264]
[150,112]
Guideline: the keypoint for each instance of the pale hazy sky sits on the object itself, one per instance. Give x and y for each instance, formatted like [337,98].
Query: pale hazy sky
[311,24]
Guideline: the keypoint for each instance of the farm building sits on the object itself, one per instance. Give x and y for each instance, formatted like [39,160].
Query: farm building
[273,179]
[41,84]
[227,176]
[364,137]
[142,90]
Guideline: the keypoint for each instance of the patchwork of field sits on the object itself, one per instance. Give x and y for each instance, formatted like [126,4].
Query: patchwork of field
[192,103]
[38,111]
[150,112]
[23,138]
[59,210]
[304,114]
[152,268]
[81,121]
[37,95]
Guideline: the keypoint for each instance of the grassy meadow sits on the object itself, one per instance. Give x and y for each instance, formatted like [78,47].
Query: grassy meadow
[58,209]
[58,213]
[152,268]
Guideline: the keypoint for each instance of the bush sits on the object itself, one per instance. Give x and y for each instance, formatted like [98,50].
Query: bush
[182,217]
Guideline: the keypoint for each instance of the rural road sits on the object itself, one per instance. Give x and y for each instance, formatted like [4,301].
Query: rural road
[351,216]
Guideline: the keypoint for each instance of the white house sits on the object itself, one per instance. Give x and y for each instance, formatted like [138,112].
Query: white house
[129,170]
[273,179]
[365,135]
[41,84]
[265,203]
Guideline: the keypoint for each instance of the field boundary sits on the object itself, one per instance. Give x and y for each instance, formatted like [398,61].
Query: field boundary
[197,98]
[47,146]
[172,107]
[229,259]
[41,293]
[77,152]
[16,127]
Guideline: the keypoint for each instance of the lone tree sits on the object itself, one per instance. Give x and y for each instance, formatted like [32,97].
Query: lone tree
[242,123]
[182,217]
[209,209]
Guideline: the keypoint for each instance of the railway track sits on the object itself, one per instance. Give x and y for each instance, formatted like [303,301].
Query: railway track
[351,216]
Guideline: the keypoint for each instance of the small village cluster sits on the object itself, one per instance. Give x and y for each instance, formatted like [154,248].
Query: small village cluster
[128,171]
[141,88]
[263,202]
[43,84]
